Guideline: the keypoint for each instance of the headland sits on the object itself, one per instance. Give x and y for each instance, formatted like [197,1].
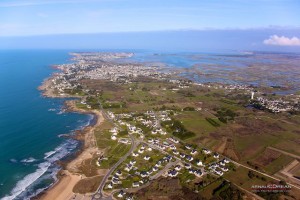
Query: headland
[157,128]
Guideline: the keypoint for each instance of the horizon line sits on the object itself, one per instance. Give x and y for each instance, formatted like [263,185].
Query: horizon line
[271,27]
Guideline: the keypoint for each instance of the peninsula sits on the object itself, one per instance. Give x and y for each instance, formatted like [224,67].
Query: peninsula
[160,135]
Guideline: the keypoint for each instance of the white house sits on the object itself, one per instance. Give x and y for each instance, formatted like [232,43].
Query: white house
[224,169]
[147,157]
[187,166]
[194,151]
[175,152]
[110,186]
[135,184]
[113,137]
[135,154]
[198,173]
[189,158]
[172,173]
[128,167]
[132,162]
[220,173]
[150,141]
[206,151]
[121,194]
[177,167]
[155,169]
[173,147]
[199,163]
[216,155]
[141,150]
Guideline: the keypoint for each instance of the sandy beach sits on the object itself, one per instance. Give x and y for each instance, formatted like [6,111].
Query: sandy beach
[63,188]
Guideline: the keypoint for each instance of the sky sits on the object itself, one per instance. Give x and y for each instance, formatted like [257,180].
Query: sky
[31,20]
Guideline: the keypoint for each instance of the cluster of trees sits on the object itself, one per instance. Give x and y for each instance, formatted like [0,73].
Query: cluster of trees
[114,105]
[227,191]
[177,128]
[93,102]
[180,131]
[123,132]
[188,108]
[225,115]
[186,93]
[252,175]
[212,122]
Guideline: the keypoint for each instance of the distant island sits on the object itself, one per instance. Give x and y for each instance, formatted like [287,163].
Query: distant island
[158,133]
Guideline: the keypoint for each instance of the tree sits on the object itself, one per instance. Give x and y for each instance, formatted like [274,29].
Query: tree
[251,174]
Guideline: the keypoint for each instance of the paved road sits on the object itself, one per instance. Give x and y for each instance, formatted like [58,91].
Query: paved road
[98,194]
[160,172]
[177,158]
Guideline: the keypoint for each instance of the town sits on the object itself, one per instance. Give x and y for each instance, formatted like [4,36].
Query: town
[162,126]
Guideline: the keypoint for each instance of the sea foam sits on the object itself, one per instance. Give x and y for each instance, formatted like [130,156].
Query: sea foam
[27,181]
[28,160]
[49,161]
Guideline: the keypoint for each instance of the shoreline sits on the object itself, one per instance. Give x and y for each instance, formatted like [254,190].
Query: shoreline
[69,176]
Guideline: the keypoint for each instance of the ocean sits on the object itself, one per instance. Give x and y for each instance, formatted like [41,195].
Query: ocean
[30,124]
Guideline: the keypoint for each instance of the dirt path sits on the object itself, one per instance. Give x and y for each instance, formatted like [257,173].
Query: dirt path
[287,175]
[222,146]
[286,153]
[267,175]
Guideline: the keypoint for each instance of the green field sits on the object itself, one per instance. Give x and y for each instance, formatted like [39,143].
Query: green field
[217,119]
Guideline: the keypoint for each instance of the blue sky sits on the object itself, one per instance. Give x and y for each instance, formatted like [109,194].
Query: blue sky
[19,18]
[38,17]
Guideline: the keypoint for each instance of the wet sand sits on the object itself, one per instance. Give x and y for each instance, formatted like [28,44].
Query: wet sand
[63,188]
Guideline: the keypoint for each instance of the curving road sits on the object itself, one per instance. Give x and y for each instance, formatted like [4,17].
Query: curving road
[98,194]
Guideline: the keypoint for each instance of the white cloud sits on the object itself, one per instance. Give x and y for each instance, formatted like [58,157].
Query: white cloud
[282,41]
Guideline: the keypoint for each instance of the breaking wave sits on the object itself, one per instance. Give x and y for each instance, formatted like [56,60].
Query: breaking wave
[28,160]
[45,170]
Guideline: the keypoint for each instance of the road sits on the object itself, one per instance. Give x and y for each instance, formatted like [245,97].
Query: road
[177,158]
[98,194]
[267,175]
[160,172]
[284,152]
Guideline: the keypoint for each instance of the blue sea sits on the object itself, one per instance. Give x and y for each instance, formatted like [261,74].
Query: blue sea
[30,124]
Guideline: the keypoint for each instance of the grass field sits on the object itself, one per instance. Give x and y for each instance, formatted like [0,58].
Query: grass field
[114,154]
[244,137]
[113,150]
[87,185]
[207,192]
[240,177]
[195,121]
[278,164]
